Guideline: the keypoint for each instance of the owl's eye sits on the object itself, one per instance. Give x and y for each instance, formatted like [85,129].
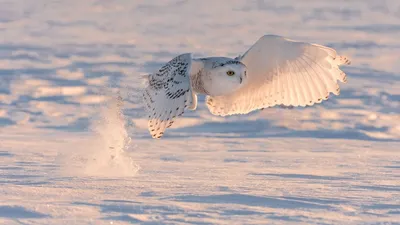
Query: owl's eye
[230,73]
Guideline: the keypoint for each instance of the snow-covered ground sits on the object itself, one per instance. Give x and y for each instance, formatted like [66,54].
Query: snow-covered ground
[69,156]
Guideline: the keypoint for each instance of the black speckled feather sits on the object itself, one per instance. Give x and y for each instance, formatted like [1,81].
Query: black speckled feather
[168,94]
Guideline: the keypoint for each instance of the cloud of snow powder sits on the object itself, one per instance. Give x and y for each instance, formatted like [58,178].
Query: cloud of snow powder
[104,152]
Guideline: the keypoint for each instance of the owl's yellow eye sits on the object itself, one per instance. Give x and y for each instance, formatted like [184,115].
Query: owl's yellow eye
[230,73]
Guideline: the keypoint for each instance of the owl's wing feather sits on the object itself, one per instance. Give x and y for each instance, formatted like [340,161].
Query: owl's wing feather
[168,93]
[283,72]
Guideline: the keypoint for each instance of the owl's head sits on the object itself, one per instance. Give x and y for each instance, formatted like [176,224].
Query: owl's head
[223,76]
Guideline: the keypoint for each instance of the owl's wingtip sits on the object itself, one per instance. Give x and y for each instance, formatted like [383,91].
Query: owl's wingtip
[157,136]
[343,60]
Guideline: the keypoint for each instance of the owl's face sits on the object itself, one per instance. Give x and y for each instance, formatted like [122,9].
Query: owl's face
[224,77]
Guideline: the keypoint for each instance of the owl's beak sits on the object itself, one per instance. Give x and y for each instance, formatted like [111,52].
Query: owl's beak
[241,79]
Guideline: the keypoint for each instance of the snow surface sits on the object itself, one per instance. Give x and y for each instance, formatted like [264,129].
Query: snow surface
[73,152]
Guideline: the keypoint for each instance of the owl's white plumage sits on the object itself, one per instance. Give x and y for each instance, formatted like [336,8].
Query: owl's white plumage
[274,71]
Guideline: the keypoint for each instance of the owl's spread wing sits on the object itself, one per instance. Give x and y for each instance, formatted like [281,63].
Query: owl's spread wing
[283,72]
[168,93]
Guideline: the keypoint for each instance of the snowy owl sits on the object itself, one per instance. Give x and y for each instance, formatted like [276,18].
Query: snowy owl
[274,71]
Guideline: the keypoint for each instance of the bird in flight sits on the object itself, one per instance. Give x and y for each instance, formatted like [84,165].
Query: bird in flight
[273,71]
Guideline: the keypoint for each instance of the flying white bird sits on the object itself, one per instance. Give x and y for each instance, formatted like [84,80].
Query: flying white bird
[274,71]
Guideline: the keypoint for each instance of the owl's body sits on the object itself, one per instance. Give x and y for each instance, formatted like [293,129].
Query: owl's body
[274,71]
